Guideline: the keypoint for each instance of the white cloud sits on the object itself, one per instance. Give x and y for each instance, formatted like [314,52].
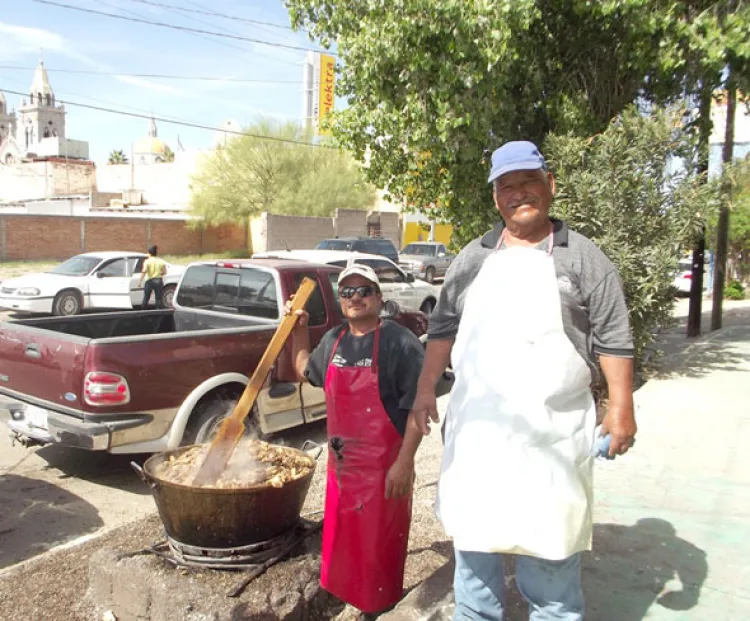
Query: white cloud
[149,84]
[19,41]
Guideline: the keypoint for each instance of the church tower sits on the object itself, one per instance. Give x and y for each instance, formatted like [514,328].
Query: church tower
[41,117]
[7,120]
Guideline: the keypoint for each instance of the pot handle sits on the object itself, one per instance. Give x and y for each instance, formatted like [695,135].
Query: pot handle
[144,477]
[307,444]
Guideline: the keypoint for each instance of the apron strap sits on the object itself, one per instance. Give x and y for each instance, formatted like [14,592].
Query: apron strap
[375,347]
[550,244]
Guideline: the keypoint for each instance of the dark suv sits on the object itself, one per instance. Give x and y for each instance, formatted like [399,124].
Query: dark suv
[370,245]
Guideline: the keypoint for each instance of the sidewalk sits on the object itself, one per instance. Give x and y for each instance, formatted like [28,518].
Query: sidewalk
[672,518]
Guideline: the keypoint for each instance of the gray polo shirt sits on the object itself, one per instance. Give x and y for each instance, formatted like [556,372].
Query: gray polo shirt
[594,314]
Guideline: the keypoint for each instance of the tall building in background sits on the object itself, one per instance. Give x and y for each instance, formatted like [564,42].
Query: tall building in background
[37,129]
[318,90]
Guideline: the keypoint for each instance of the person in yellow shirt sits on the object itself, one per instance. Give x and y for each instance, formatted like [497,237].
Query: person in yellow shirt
[154,270]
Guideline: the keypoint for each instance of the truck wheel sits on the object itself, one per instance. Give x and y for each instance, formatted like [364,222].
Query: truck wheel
[67,303]
[168,296]
[207,417]
[429,275]
[427,306]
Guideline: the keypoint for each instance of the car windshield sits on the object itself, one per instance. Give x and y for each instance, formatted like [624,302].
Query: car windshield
[420,249]
[77,266]
[334,244]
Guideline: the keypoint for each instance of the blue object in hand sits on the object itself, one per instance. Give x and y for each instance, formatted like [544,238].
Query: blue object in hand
[601,445]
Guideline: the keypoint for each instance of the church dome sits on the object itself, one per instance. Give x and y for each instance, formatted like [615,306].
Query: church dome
[150,145]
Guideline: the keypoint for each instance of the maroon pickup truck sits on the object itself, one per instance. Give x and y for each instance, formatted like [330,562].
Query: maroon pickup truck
[145,381]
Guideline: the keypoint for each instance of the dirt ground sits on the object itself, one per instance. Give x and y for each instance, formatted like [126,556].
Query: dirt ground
[52,585]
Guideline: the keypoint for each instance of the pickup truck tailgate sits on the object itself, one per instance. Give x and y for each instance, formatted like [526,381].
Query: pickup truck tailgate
[42,363]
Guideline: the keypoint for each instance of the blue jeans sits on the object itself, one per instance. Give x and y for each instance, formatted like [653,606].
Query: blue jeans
[552,588]
[157,286]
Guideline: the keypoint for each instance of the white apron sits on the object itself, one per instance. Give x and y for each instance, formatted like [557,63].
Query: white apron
[517,469]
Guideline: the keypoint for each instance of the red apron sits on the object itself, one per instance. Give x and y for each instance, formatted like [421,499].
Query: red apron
[365,536]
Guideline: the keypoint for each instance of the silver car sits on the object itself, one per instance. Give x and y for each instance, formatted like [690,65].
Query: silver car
[425,260]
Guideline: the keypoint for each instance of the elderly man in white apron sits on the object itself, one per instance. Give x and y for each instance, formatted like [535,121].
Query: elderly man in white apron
[523,314]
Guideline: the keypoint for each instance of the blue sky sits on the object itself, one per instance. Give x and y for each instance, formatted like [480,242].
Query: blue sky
[79,41]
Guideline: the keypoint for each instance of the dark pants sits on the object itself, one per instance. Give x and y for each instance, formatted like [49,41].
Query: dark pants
[157,286]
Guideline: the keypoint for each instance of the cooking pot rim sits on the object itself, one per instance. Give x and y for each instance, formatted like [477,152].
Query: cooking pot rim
[161,456]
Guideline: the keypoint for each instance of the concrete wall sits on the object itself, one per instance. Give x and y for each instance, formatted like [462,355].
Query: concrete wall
[36,180]
[275,232]
[350,223]
[390,227]
[166,184]
[25,237]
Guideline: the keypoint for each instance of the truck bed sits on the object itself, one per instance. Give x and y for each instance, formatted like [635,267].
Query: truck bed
[163,353]
[114,325]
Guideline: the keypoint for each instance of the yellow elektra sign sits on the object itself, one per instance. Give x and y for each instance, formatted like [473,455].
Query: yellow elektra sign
[326,92]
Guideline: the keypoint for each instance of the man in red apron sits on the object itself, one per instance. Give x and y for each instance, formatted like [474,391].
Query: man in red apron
[523,314]
[369,370]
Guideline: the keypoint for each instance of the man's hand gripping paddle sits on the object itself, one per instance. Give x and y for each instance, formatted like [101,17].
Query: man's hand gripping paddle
[233,427]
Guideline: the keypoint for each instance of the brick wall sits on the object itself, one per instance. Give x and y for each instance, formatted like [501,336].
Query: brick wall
[24,237]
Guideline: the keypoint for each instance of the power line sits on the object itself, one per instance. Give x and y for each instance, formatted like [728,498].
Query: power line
[214,14]
[176,122]
[181,28]
[152,75]
[222,28]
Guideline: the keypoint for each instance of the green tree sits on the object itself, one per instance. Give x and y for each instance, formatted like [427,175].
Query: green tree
[168,154]
[117,157]
[281,172]
[432,84]
[625,190]
[736,179]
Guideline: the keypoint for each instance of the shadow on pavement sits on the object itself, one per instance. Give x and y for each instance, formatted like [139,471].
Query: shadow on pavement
[632,569]
[636,567]
[37,516]
[95,466]
[699,357]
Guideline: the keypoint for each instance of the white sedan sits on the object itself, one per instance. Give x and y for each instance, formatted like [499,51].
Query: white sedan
[105,280]
[395,284]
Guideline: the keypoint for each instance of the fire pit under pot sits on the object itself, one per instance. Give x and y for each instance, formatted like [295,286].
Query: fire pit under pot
[224,518]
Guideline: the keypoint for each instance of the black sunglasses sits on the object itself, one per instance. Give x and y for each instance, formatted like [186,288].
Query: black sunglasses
[364,291]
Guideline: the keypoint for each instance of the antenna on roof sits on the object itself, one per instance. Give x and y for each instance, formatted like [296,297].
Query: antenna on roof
[288,249]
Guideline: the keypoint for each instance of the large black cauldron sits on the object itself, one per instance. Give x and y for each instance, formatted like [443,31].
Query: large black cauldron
[224,518]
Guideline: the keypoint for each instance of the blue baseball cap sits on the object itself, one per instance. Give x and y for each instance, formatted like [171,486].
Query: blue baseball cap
[516,155]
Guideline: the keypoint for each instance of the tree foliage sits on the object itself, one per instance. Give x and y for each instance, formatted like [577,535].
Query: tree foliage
[432,84]
[117,156]
[735,183]
[168,154]
[624,190]
[279,172]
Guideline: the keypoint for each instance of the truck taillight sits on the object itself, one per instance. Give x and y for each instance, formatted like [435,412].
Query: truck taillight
[101,388]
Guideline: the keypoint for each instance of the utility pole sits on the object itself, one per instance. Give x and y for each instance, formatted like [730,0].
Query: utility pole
[699,249]
[722,229]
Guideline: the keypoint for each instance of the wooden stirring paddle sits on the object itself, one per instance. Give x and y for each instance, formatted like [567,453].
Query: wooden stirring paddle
[233,427]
